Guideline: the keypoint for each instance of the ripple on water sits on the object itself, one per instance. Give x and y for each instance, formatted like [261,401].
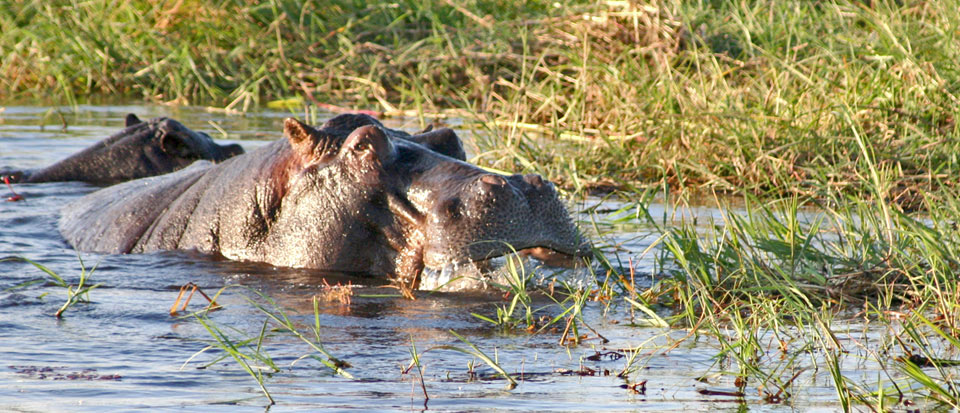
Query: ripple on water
[18,300]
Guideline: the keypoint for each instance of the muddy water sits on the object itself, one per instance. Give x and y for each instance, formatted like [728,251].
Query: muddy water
[124,350]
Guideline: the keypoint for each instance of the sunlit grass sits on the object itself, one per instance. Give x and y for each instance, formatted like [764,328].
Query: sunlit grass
[769,97]
[791,275]
[250,353]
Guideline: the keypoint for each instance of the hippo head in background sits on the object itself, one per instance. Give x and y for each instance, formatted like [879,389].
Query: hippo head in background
[141,149]
[416,200]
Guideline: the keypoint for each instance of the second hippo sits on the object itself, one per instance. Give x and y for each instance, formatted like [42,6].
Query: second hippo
[141,149]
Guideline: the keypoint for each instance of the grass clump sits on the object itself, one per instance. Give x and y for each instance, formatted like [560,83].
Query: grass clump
[79,293]
[562,300]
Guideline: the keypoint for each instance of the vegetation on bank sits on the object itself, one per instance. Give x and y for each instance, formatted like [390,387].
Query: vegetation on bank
[772,97]
[791,290]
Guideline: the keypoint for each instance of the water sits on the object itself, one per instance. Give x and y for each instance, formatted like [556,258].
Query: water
[125,351]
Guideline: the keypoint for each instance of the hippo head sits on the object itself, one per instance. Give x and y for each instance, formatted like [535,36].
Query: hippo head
[141,149]
[481,215]
[415,201]
[167,143]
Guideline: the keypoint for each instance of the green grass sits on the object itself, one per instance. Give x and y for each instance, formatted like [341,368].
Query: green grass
[250,353]
[244,352]
[765,96]
[775,285]
[79,293]
[475,351]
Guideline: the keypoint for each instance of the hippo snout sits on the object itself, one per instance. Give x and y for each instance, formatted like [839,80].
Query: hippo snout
[490,215]
[229,151]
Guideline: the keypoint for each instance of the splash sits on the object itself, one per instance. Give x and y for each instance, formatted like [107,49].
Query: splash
[482,275]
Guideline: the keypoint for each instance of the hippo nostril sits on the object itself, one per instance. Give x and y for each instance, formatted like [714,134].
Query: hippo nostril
[495,180]
[489,182]
[534,179]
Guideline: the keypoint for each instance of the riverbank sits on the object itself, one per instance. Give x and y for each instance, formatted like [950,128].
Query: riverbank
[768,97]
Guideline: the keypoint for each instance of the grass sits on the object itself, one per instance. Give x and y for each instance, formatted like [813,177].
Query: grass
[473,350]
[518,281]
[241,352]
[785,275]
[770,97]
[79,293]
[251,355]
[246,351]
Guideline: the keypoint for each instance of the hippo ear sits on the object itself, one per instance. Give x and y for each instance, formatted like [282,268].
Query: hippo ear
[131,120]
[444,141]
[231,150]
[369,144]
[300,136]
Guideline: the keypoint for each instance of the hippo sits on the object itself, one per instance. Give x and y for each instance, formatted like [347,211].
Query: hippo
[349,197]
[141,149]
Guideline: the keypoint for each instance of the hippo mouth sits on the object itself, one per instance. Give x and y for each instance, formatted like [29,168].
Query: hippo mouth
[495,269]
[544,255]
[552,258]
[547,255]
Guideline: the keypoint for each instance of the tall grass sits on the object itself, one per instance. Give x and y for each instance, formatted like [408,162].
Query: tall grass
[763,96]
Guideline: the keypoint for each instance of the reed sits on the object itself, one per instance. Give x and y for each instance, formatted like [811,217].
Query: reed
[79,293]
[786,274]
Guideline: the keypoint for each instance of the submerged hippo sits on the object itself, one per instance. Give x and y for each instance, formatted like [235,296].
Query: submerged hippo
[352,196]
[141,149]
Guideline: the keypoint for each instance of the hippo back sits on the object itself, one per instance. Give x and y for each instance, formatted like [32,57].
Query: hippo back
[116,219]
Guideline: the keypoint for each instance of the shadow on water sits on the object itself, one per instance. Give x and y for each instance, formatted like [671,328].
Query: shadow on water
[123,350]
